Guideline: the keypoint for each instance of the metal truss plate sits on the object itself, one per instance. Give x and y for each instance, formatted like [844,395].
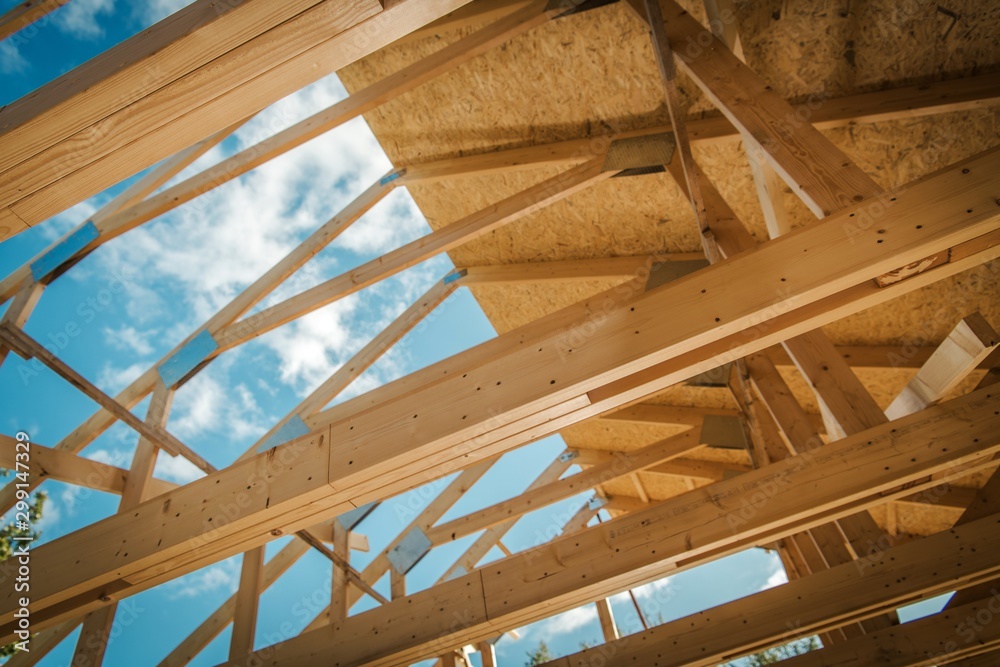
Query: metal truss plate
[409,551]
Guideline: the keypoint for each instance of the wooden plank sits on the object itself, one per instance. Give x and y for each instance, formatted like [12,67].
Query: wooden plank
[649,413]
[918,569]
[723,20]
[221,79]
[137,483]
[411,446]
[640,547]
[362,359]
[834,383]
[569,270]
[814,168]
[441,240]
[668,77]
[338,592]
[626,464]
[247,600]
[25,13]
[20,310]
[73,469]
[967,346]
[924,642]
[95,634]
[334,51]
[221,617]
[487,654]
[607,619]
[903,102]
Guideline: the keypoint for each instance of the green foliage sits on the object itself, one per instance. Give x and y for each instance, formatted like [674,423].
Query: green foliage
[539,656]
[778,653]
[7,544]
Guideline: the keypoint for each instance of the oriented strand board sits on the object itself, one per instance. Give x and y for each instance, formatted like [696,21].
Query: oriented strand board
[593,73]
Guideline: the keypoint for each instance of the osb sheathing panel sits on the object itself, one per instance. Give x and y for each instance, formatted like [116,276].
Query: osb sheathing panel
[593,74]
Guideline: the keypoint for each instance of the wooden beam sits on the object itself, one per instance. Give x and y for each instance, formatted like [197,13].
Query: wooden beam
[572,270]
[247,601]
[441,240]
[532,401]
[625,464]
[338,593]
[95,634]
[362,360]
[938,639]
[896,103]
[967,346]
[221,617]
[74,469]
[668,78]
[818,172]
[650,413]
[758,507]
[19,310]
[681,467]
[607,619]
[824,600]
[232,85]
[25,13]
[361,102]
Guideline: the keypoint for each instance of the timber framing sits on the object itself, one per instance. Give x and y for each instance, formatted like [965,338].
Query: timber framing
[713,385]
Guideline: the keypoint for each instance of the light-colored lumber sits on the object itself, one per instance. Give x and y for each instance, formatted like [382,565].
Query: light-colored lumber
[221,617]
[568,270]
[95,634]
[338,593]
[73,469]
[20,310]
[819,173]
[904,102]
[968,345]
[625,464]
[668,78]
[607,619]
[363,101]
[534,402]
[25,13]
[758,507]
[918,569]
[247,603]
[232,86]
[649,413]
[938,639]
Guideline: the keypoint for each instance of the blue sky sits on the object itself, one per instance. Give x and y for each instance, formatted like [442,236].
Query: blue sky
[135,298]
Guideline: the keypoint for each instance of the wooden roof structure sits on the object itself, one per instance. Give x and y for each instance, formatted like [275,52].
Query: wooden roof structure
[742,256]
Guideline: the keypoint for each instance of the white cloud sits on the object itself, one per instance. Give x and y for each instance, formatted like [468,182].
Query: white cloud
[395,221]
[81,18]
[113,378]
[11,60]
[224,575]
[120,459]
[176,469]
[208,404]
[564,623]
[129,338]
[777,578]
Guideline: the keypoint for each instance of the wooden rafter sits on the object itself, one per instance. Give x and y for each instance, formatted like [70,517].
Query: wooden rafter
[535,403]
